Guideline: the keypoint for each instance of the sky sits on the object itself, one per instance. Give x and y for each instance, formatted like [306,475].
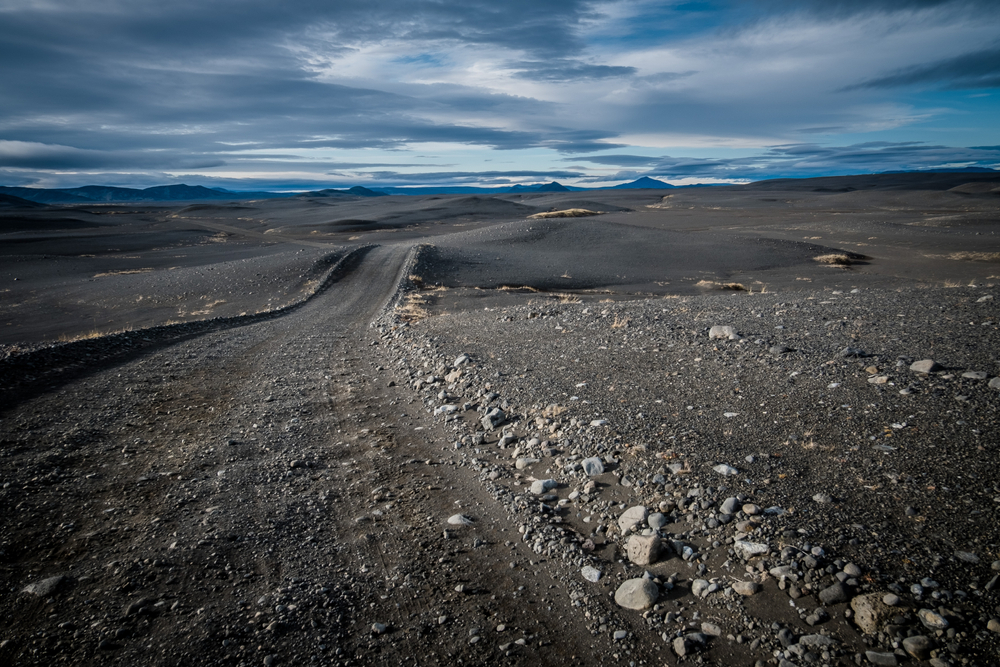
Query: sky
[302,94]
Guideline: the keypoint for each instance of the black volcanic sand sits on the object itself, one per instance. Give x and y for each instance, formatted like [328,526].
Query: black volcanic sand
[85,272]
[153,260]
[289,488]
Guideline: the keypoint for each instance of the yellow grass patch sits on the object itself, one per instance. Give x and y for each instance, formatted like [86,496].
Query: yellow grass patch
[712,284]
[123,272]
[975,256]
[565,213]
[834,259]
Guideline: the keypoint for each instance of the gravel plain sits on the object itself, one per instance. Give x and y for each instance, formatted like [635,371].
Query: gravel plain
[404,463]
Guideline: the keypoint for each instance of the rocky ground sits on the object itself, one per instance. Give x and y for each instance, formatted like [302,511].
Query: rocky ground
[386,470]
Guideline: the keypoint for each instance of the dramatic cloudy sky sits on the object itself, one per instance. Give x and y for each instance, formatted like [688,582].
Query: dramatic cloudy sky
[304,93]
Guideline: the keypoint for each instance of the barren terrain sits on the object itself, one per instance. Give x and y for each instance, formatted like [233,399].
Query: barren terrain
[433,430]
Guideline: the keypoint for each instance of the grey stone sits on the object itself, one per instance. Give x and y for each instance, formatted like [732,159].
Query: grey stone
[493,418]
[711,629]
[379,628]
[459,520]
[750,549]
[779,349]
[833,594]
[993,625]
[995,383]
[723,332]
[540,486]
[932,620]
[870,612]
[975,375]
[967,557]
[852,352]
[891,599]
[925,366]
[45,587]
[620,634]
[643,549]
[746,588]
[681,647]
[729,505]
[656,520]
[852,570]
[823,498]
[593,466]
[786,637]
[879,658]
[633,516]
[637,594]
[699,587]
[918,647]
[591,574]
[523,462]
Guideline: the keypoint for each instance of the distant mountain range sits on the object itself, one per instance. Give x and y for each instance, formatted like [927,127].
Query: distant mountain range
[356,191]
[93,194]
[90,194]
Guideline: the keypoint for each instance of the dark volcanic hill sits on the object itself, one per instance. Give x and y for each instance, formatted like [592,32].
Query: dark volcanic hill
[643,183]
[102,193]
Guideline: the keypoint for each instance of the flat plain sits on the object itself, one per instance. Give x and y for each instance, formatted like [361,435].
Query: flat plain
[456,429]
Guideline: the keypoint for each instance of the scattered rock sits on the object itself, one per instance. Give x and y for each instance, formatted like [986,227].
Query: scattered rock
[870,612]
[540,486]
[493,419]
[833,594]
[459,520]
[632,517]
[750,549]
[879,658]
[724,469]
[721,332]
[918,646]
[643,549]
[46,587]
[932,620]
[637,594]
[925,366]
[746,588]
[593,466]
[823,498]
[591,573]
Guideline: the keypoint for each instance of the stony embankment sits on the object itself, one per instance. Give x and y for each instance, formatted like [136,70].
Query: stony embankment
[768,478]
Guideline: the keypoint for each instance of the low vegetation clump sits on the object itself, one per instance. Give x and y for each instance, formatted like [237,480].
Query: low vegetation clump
[835,259]
[565,213]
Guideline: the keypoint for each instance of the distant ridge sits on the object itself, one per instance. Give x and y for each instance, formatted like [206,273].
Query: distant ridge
[10,201]
[642,183]
[90,194]
[903,180]
[356,191]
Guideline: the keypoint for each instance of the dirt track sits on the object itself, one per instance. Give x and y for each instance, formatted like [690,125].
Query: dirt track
[257,491]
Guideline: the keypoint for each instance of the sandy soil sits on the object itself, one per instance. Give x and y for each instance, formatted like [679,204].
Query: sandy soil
[253,433]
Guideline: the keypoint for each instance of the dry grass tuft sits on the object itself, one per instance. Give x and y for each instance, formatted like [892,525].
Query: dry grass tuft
[834,259]
[517,288]
[976,256]
[413,308]
[566,298]
[619,323]
[565,213]
[123,272]
[712,284]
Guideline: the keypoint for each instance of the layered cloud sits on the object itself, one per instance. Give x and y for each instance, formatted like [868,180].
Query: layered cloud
[418,90]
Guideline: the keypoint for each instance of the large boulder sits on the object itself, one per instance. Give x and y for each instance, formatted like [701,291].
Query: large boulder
[870,612]
[643,549]
[633,516]
[637,594]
